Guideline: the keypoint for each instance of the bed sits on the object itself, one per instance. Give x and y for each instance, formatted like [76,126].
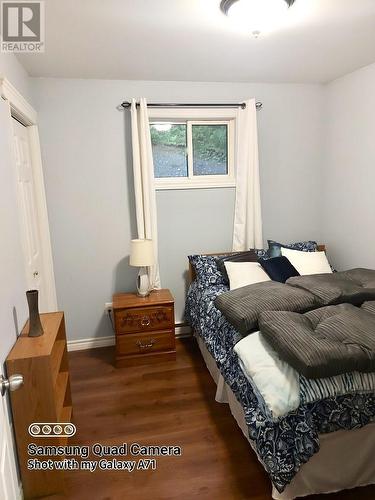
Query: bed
[307,452]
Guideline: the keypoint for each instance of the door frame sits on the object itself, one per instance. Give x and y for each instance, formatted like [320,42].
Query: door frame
[20,109]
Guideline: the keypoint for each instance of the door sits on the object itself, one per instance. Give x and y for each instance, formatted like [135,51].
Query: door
[28,215]
[9,489]
[13,308]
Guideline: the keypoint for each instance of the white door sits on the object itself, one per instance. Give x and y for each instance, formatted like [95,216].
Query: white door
[12,298]
[28,215]
[9,488]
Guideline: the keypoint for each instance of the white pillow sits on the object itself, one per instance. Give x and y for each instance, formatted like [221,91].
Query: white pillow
[245,273]
[307,262]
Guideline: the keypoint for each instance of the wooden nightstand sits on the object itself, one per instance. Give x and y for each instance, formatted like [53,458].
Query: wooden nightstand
[144,328]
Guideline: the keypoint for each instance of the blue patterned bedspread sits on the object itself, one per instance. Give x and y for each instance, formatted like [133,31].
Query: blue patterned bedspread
[283,445]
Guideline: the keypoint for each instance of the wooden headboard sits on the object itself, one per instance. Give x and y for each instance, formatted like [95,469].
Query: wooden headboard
[192,275]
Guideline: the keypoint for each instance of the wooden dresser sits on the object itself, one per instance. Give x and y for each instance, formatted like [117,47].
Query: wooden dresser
[44,398]
[145,331]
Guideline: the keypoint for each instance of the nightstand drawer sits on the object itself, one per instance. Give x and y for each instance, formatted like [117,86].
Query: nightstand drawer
[141,343]
[144,319]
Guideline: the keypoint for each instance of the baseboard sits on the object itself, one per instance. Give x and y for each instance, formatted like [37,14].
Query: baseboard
[91,343]
[182,331]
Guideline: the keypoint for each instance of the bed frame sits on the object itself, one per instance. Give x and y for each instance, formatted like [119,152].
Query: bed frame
[192,275]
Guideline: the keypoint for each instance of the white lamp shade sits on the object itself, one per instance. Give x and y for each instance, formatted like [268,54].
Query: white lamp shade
[141,253]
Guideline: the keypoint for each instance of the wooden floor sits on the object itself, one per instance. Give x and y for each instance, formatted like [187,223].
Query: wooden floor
[164,404]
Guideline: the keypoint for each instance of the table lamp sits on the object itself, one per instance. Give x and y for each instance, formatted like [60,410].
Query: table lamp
[142,256]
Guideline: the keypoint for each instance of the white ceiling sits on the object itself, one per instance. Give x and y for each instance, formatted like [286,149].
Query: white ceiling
[192,40]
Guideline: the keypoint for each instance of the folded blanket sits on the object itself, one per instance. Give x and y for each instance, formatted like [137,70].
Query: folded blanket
[280,389]
[328,341]
[271,378]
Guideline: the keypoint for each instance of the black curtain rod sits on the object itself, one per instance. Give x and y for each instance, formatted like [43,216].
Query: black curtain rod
[127,104]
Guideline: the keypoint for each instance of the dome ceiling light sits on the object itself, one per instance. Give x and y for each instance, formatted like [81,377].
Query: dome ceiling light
[257,16]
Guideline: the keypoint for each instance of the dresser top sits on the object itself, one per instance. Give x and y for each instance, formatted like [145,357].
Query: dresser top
[30,347]
[156,297]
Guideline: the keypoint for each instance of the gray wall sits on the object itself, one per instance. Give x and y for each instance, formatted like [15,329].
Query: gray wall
[11,69]
[87,167]
[349,177]
[13,307]
[316,155]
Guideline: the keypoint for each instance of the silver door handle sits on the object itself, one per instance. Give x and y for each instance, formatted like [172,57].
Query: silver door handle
[12,383]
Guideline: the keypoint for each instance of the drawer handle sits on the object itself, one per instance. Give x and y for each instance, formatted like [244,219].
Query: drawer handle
[145,321]
[150,344]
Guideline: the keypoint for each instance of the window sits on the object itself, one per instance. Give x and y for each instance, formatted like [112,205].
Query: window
[192,153]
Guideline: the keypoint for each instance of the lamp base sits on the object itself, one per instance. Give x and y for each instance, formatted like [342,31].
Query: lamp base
[143,283]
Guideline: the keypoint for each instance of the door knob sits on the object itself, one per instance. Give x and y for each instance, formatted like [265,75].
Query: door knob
[12,383]
[35,274]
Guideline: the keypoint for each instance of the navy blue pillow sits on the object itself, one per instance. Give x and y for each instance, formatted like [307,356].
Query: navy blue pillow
[279,268]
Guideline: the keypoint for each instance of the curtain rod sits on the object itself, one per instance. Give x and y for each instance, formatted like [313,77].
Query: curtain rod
[127,104]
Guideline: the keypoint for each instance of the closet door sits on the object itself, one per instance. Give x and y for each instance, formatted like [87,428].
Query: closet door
[28,215]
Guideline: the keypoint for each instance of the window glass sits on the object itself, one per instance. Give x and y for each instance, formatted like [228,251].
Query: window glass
[210,149]
[169,149]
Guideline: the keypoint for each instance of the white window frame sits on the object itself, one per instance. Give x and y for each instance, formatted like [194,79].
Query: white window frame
[199,117]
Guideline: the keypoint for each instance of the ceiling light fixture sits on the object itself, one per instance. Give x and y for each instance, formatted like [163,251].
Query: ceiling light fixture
[258,16]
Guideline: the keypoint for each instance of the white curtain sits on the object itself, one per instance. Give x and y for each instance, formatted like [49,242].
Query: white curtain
[247,230]
[144,186]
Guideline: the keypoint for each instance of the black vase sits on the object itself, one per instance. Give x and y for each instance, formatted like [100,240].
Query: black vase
[35,326]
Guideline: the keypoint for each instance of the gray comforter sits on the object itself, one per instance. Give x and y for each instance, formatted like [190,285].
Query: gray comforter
[333,336]
[325,342]
[243,306]
[354,286]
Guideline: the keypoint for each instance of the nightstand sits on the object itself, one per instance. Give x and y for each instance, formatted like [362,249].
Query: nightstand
[144,328]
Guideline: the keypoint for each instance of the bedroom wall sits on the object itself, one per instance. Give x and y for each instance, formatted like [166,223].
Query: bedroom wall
[13,310]
[87,166]
[11,69]
[349,176]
